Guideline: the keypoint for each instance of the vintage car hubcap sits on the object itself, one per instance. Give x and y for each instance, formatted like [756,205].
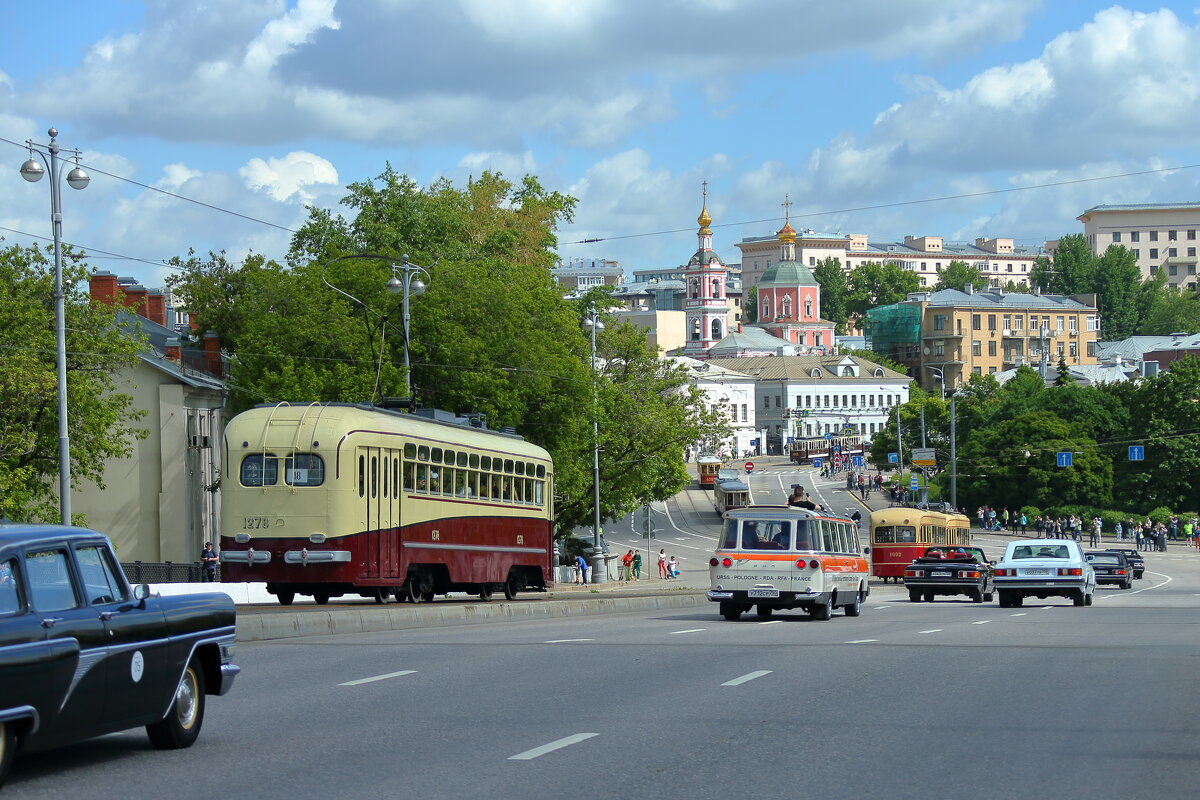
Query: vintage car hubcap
[187,699]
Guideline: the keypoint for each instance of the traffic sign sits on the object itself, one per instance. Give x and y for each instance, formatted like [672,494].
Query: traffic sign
[857,461]
[1064,458]
[915,483]
[1137,452]
[924,457]
[817,462]
[837,449]
[829,436]
[893,458]
[749,467]
[848,430]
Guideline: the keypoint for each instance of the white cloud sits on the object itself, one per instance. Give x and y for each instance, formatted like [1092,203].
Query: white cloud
[288,177]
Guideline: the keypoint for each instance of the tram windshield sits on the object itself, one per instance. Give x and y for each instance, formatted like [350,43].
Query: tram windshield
[888,534]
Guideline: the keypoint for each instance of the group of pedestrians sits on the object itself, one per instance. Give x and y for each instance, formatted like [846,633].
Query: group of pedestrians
[630,567]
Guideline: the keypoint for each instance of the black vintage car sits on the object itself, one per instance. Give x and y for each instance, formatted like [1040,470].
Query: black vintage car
[1111,567]
[950,570]
[1136,562]
[82,653]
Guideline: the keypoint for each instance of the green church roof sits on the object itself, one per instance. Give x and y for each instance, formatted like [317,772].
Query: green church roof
[787,273]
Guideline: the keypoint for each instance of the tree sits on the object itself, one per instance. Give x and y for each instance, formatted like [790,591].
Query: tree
[835,291]
[1074,266]
[873,284]
[101,418]
[1116,280]
[1167,310]
[492,333]
[959,275]
[750,305]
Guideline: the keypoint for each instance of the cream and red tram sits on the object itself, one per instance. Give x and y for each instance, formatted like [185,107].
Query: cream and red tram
[334,499]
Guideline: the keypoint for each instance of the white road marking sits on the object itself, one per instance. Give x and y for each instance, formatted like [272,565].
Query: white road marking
[771,622]
[361,681]
[882,608]
[561,641]
[550,747]
[1045,607]
[1018,615]
[862,641]
[749,676]
[932,630]
[981,622]
[689,630]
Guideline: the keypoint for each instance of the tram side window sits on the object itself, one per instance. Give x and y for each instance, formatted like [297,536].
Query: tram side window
[435,481]
[304,469]
[529,490]
[362,476]
[460,483]
[495,479]
[422,479]
[409,475]
[472,485]
[260,469]
[374,476]
[539,492]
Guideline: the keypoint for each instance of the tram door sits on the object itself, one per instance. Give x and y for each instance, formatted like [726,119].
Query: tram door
[371,496]
[389,514]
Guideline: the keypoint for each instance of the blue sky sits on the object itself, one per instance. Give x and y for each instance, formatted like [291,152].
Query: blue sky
[264,106]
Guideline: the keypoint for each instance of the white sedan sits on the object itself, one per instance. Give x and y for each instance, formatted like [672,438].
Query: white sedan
[1044,568]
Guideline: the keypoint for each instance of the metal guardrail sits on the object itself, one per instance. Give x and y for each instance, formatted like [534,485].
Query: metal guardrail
[165,571]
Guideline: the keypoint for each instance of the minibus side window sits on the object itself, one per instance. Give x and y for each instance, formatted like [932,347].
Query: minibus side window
[804,534]
[829,541]
[729,542]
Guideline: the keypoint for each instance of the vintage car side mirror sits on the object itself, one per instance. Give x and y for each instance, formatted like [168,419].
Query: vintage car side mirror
[140,593]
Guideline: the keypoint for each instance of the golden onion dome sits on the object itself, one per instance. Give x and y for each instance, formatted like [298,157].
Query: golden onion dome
[787,233]
[704,220]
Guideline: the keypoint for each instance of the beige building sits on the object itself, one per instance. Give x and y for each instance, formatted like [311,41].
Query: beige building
[999,260]
[950,335]
[1161,236]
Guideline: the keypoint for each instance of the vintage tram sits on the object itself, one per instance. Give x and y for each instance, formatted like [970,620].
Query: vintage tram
[334,499]
[707,468]
[900,535]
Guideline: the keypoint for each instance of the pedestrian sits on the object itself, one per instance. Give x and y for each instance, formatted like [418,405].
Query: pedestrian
[1119,531]
[673,568]
[1094,536]
[637,565]
[662,564]
[857,517]
[581,569]
[1024,520]
[208,563]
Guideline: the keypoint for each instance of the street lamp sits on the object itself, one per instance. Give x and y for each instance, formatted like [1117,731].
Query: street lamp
[32,171]
[592,324]
[941,379]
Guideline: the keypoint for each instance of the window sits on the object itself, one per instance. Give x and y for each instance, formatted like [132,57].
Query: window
[1073,323]
[777,403]
[1093,322]
[1073,350]
[939,322]
[1191,251]
[1172,270]
[976,322]
[1116,236]
[1136,253]
[260,469]
[1192,235]
[1091,349]
[1172,252]
[1018,322]
[1135,236]
[10,598]
[304,469]
[766,401]
[1172,235]
[1006,322]
[976,348]
[939,349]
[100,581]
[991,348]
[976,370]
[1154,252]
[1154,236]
[991,322]
[50,586]
[744,413]
[991,370]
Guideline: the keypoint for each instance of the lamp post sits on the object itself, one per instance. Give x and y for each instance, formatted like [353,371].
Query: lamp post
[32,171]
[592,324]
[410,284]
[941,379]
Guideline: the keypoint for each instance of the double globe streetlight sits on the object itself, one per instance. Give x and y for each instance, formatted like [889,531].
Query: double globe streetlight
[32,171]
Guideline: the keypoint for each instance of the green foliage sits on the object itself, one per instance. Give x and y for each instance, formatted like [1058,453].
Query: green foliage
[1074,266]
[101,418]
[750,305]
[491,333]
[873,284]
[959,275]
[1160,514]
[1116,279]
[835,290]
[1031,513]
[1166,309]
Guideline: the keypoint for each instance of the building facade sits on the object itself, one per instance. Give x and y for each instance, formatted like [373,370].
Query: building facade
[948,335]
[1161,236]
[731,394]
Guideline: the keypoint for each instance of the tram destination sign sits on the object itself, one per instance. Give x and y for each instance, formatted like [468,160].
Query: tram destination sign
[924,457]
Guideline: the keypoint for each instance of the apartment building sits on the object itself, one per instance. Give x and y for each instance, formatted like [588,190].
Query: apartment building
[1161,236]
[999,260]
[950,335]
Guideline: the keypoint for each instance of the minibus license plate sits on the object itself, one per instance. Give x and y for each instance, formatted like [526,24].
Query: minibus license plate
[762,593]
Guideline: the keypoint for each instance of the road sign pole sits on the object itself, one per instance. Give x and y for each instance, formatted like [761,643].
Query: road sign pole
[953,460]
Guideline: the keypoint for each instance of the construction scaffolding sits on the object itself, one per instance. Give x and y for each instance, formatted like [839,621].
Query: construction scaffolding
[895,331]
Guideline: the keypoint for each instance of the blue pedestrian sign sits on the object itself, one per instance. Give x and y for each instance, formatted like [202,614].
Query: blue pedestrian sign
[1137,452]
[893,458]
[829,436]
[914,484]
[817,463]
[837,449]
[1064,459]
[857,461]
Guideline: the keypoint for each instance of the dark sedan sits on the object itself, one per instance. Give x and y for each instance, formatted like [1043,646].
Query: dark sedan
[950,570]
[82,653]
[1110,568]
[1136,562]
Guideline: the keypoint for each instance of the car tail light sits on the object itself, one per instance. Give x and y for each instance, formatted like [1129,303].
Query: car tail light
[1068,572]
[968,574]
[1120,572]
[801,563]
[727,562]
[712,562]
[912,573]
[814,564]
[1004,573]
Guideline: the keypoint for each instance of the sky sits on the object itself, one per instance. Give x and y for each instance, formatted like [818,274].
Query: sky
[867,114]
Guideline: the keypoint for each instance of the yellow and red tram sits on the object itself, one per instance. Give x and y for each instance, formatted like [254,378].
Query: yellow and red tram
[707,468]
[901,534]
[334,499]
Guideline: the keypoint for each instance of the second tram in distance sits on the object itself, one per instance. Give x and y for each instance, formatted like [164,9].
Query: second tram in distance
[899,535]
[333,499]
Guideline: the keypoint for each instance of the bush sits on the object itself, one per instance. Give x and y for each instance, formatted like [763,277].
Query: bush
[1160,514]
[1030,512]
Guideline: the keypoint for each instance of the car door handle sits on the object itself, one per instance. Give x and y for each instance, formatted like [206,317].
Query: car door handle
[106,615]
[48,622]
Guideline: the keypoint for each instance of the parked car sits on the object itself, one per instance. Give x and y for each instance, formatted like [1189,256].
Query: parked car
[1110,568]
[950,570]
[1136,562]
[82,653]
[1044,568]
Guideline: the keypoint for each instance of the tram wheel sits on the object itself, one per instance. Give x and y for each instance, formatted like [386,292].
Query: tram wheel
[413,592]
[511,587]
[427,596]
[321,598]
[485,591]
[381,595]
[285,598]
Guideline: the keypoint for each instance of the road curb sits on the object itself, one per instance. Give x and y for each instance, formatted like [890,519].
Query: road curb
[262,626]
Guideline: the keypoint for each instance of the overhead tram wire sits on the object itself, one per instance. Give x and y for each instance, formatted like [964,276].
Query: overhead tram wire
[88,251]
[897,204]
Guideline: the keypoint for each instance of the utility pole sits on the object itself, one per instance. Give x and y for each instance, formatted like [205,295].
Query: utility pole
[953,458]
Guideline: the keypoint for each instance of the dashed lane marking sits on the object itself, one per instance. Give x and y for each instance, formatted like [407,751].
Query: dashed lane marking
[550,747]
[981,622]
[862,641]
[771,622]
[749,676]
[1018,615]
[689,630]
[932,630]
[563,641]
[374,678]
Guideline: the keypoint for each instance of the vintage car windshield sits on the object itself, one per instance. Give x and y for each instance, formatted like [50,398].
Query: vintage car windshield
[1041,551]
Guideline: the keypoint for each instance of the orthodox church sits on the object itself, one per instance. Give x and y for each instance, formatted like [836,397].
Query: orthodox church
[789,297]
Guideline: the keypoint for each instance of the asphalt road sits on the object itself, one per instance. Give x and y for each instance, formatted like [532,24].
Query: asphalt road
[911,700]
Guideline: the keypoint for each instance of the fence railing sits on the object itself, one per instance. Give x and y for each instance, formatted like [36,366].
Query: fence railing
[165,571]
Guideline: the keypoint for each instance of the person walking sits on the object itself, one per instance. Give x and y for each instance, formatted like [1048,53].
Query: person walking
[637,565]
[208,563]
[581,570]
[627,566]
[662,564]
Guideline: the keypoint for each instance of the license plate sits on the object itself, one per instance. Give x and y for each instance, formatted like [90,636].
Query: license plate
[940,574]
[762,593]
[1036,572]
